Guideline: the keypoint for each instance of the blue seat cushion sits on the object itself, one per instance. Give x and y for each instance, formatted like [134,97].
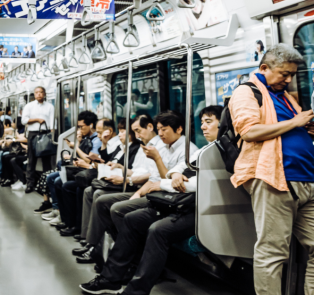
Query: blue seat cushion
[190,246]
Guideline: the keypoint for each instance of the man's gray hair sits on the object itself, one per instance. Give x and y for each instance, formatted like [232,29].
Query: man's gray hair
[279,54]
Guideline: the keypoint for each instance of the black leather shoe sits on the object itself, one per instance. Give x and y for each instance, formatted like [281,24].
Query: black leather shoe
[69,231]
[60,226]
[8,182]
[78,238]
[83,243]
[29,189]
[86,257]
[81,251]
[100,285]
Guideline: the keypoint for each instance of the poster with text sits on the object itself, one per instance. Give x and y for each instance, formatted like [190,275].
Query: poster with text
[58,9]
[227,82]
[18,49]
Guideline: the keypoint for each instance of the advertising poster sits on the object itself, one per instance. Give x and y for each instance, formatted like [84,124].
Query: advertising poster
[1,71]
[227,82]
[205,13]
[255,50]
[168,28]
[18,49]
[58,9]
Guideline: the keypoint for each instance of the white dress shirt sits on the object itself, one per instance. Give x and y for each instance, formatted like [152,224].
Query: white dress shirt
[36,110]
[173,155]
[112,144]
[191,185]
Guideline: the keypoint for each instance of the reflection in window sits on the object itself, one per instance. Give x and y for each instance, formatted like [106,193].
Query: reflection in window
[95,104]
[303,42]
[177,73]
[145,88]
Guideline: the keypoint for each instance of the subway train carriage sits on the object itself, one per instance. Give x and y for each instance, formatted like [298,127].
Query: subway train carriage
[133,159]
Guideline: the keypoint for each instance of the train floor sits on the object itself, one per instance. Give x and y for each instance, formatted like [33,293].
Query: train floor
[35,260]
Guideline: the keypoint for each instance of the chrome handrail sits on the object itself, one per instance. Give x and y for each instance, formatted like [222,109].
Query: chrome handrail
[112,39]
[32,12]
[55,115]
[72,57]
[188,106]
[131,31]
[76,120]
[127,126]
[87,13]
[84,53]
[158,7]
[99,51]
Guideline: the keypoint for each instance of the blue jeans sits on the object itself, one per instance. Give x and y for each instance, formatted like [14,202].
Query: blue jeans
[2,153]
[51,178]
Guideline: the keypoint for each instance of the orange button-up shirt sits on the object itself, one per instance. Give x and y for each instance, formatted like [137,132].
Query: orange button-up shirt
[262,160]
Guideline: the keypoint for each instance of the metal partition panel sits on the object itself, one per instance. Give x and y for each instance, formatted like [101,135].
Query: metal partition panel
[225,222]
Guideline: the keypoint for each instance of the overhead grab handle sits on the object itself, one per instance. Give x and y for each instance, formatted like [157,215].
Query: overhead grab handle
[131,38]
[34,77]
[32,12]
[16,77]
[54,68]
[23,74]
[64,66]
[99,51]
[87,13]
[47,71]
[29,71]
[40,74]
[73,63]
[156,12]
[183,4]
[112,46]
[84,58]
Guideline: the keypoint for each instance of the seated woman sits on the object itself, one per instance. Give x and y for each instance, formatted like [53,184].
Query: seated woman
[156,231]
[4,148]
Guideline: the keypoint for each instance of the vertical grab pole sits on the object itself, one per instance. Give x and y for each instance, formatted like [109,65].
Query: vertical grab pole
[55,114]
[188,107]
[76,120]
[127,124]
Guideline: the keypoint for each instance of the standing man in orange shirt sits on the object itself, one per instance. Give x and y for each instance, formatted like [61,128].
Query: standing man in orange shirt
[276,167]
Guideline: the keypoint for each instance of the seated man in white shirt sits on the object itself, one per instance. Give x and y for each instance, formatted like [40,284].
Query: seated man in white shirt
[34,115]
[159,230]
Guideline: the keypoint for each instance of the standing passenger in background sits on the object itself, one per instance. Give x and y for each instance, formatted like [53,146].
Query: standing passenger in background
[36,113]
[7,115]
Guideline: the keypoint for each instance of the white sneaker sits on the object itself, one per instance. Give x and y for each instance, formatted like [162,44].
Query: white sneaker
[19,187]
[56,220]
[16,184]
[51,215]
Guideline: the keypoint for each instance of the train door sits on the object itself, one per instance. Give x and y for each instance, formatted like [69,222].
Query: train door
[68,103]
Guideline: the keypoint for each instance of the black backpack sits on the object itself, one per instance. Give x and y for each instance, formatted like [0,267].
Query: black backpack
[227,142]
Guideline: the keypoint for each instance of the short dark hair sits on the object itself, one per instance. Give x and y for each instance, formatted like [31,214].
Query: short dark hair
[7,110]
[16,46]
[215,110]
[109,123]
[7,122]
[88,117]
[144,120]
[42,88]
[136,91]
[122,125]
[171,118]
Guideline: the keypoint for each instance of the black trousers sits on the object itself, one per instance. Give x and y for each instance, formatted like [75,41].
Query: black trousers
[13,164]
[158,233]
[70,196]
[32,160]
[17,165]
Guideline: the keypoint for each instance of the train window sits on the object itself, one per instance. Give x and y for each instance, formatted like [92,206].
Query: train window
[177,71]
[303,42]
[95,104]
[145,93]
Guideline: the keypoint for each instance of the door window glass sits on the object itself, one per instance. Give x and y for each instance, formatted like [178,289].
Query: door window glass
[177,77]
[145,93]
[303,42]
[95,104]
[67,112]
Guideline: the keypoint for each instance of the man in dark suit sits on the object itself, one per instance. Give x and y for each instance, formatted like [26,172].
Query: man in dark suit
[31,53]
[16,52]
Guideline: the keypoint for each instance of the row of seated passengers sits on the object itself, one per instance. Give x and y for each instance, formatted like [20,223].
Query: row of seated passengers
[142,236]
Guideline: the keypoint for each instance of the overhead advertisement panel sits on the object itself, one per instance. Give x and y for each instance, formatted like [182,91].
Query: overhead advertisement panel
[18,49]
[58,9]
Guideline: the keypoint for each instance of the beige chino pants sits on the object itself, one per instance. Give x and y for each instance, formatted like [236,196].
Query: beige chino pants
[277,215]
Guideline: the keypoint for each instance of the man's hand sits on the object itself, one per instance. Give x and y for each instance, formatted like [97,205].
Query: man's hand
[81,163]
[115,179]
[135,196]
[303,118]
[40,121]
[154,187]
[151,152]
[114,165]
[79,136]
[105,136]
[178,180]
[310,128]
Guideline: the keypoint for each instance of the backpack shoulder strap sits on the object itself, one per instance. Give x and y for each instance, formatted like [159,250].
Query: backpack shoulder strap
[258,95]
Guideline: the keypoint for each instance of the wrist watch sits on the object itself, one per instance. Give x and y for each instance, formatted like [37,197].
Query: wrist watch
[130,181]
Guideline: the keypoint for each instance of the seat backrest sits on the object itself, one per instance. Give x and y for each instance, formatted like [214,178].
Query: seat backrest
[62,144]
[225,221]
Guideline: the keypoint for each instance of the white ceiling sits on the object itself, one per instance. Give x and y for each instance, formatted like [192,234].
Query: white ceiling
[20,26]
